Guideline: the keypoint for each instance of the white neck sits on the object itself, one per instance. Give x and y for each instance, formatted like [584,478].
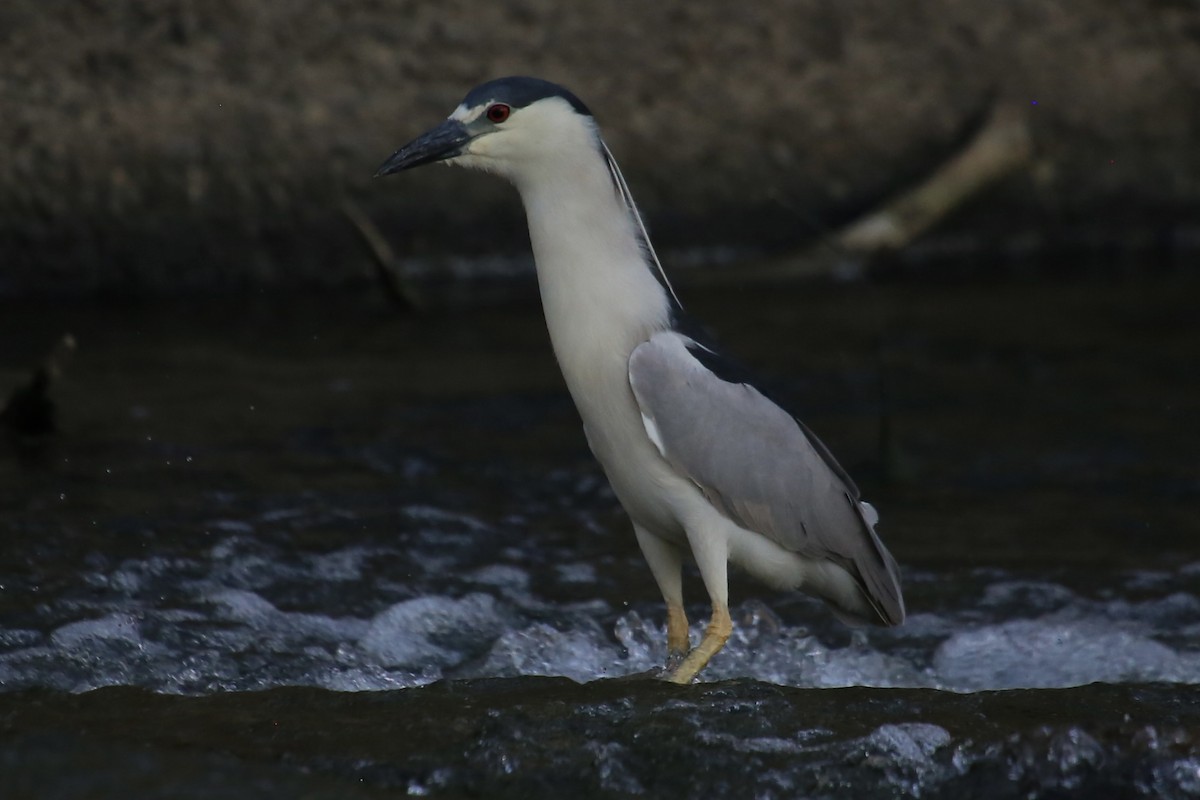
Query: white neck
[599,295]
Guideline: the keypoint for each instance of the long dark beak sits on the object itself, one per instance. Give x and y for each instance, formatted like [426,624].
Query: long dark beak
[444,141]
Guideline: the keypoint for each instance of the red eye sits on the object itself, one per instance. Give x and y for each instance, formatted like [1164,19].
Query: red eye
[498,112]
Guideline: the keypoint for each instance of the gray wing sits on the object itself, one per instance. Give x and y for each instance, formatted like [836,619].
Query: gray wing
[759,466]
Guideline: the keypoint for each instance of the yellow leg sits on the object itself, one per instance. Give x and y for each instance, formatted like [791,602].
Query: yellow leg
[715,636]
[665,562]
[677,636]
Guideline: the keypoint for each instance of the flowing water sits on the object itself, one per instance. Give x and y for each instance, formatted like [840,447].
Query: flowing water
[313,547]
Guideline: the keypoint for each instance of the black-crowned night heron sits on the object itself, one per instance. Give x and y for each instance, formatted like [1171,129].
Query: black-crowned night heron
[701,460]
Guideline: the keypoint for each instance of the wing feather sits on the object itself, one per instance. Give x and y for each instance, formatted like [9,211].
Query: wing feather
[760,466]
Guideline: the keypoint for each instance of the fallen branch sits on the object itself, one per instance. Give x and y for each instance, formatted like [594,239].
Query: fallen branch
[387,266]
[1003,145]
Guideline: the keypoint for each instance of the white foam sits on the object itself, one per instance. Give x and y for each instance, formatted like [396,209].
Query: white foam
[433,631]
[116,627]
[1052,654]
[501,576]
[440,515]
[575,573]
[340,565]
[244,606]
[277,630]
[249,614]
[541,649]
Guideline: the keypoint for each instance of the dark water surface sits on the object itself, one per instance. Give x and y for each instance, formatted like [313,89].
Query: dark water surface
[308,547]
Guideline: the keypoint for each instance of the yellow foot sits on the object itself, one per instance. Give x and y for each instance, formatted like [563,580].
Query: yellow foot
[674,659]
[715,636]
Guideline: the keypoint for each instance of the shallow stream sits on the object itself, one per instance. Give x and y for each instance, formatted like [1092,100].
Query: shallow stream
[397,518]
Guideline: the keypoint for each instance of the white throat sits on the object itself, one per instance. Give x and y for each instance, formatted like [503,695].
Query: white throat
[600,296]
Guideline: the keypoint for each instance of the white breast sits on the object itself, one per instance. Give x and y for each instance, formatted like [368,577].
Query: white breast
[601,301]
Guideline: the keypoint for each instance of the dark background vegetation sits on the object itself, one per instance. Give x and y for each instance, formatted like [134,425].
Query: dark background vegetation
[154,146]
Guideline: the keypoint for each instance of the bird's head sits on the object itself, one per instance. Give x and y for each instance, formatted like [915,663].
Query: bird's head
[506,126]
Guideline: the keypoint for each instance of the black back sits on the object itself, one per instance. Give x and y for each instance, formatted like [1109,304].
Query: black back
[519,91]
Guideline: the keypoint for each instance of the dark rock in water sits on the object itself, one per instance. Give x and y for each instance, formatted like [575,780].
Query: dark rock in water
[30,416]
[539,737]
